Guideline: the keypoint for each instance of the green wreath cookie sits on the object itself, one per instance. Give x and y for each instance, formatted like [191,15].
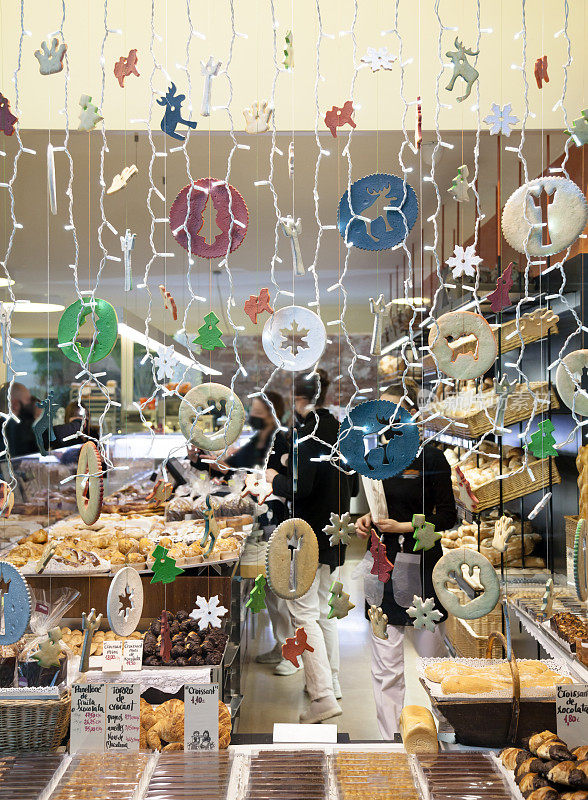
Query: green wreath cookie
[106,324]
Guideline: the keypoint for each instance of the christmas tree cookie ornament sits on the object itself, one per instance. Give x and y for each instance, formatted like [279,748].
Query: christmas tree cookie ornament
[579,129]
[49,650]
[50,58]
[424,613]
[89,116]
[424,533]
[542,441]
[382,566]
[164,568]
[500,298]
[339,602]
[90,624]
[209,334]
[256,600]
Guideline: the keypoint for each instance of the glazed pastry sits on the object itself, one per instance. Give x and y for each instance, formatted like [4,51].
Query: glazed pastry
[581,752]
[530,782]
[554,750]
[512,757]
[570,773]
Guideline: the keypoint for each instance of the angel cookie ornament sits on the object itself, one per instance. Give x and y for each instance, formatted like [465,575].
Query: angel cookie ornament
[379,212]
[291,559]
[446,572]
[15,604]
[544,216]
[424,613]
[456,325]
[124,604]
[294,338]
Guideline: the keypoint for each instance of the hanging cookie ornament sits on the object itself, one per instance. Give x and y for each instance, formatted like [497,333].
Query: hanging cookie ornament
[446,571]
[72,319]
[542,441]
[89,484]
[500,298]
[379,213]
[209,69]
[292,229]
[568,381]
[50,57]
[503,529]
[379,309]
[44,424]
[464,261]
[168,302]
[256,600]
[164,363]
[209,334]
[540,71]
[164,567]
[339,603]
[89,116]
[211,528]
[49,652]
[339,116]
[294,338]
[466,497]
[294,646]
[340,529]
[289,51]
[456,325]
[579,129]
[124,604]
[257,304]
[126,66]
[165,642]
[258,117]
[363,429]
[544,216]
[15,604]
[381,567]
[546,610]
[226,201]
[580,580]
[127,245]
[90,624]
[424,613]
[208,612]
[257,487]
[6,499]
[202,399]
[378,58]
[462,68]
[291,559]
[51,186]
[501,120]
[121,179]
[160,493]
[459,186]
[424,533]
[7,118]
[173,114]
[378,621]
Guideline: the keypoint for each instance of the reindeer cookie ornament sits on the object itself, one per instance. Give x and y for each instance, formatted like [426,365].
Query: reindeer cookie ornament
[378,213]
[462,68]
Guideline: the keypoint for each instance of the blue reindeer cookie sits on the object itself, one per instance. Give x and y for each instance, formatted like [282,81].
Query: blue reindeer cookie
[369,197]
[370,419]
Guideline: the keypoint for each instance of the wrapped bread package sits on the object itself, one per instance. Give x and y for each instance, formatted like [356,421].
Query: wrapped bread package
[418,731]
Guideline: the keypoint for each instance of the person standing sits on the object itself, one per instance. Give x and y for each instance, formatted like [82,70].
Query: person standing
[320,489]
[424,487]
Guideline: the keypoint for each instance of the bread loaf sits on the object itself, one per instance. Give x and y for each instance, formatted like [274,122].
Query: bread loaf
[473,684]
[418,731]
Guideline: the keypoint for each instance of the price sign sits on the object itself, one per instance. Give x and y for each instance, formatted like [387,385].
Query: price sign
[88,703]
[201,716]
[122,716]
[112,656]
[571,705]
[132,654]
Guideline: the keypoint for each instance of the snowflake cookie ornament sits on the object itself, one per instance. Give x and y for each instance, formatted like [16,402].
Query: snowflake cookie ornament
[464,261]
[165,362]
[503,530]
[208,612]
[501,120]
[340,529]
[424,613]
[378,58]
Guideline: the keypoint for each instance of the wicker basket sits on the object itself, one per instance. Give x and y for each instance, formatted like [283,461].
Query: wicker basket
[516,485]
[33,725]
[469,637]
[571,525]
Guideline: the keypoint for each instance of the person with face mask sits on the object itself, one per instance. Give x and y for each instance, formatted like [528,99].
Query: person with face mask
[320,490]
[424,487]
[20,435]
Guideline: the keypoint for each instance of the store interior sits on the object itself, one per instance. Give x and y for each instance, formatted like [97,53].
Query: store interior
[293,395]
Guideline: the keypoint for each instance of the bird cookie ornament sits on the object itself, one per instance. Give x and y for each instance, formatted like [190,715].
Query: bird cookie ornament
[424,613]
[50,58]
[544,216]
[541,71]
[379,213]
[202,399]
[230,218]
[378,439]
[291,559]
[160,493]
[339,603]
[294,338]
[295,646]
[124,604]
[121,179]
[424,533]
[456,325]
[568,381]
[208,612]
[168,302]
[340,529]
[15,604]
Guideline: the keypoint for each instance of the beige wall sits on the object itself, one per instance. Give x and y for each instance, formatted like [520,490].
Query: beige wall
[252,68]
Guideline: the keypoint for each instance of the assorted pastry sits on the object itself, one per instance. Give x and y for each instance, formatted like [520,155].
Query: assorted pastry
[190,647]
[569,627]
[462,776]
[162,726]
[468,535]
[546,769]
[74,639]
[365,776]
[95,775]
[482,468]
[469,676]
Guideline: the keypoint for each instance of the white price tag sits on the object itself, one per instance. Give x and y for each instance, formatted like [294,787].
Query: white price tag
[132,658]
[112,656]
[122,716]
[88,703]
[571,705]
[201,716]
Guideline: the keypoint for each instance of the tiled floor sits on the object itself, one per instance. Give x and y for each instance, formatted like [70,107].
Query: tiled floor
[269,698]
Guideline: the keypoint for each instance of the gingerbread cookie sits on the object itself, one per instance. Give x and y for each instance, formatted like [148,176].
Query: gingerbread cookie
[89,485]
[446,571]
[455,325]
[568,379]
[291,559]
[203,397]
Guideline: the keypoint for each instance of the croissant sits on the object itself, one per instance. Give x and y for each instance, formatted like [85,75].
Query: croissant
[581,752]
[569,773]
[168,730]
[530,782]
[554,750]
[539,738]
[512,757]
[544,793]
[173,746]
[532,764]
[581,795]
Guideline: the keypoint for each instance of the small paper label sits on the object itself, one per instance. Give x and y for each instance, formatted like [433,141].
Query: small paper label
[122,716]
[88,720]
[201,716]
[132,658]
[571,706]
[292,732]
[112,656]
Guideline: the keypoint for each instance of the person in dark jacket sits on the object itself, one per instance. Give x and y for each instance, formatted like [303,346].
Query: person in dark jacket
[316,488]
[424,487]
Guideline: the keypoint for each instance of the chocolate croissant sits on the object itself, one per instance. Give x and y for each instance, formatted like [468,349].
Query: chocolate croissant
[512,757]
[530,782]
[532,764]
[544,793]
[539,738]
[554,750]
[581,752]
[570,773]
[581,795]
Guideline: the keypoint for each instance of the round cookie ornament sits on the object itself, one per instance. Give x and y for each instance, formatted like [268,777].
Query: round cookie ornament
[566,216]
[291,559]
[124,604]
[379,212]
[462,562]
[568,386]
[15,604]
[294,338]
[229,222]
[457,324]
[89,484]
[106,324]
[364,426]
[202,397]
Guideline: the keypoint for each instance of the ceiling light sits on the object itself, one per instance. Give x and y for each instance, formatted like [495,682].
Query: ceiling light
[26,307]
[6,282]
[415,301]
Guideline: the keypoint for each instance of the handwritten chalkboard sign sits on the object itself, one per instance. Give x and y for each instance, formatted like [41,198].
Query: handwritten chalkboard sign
[572,713]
